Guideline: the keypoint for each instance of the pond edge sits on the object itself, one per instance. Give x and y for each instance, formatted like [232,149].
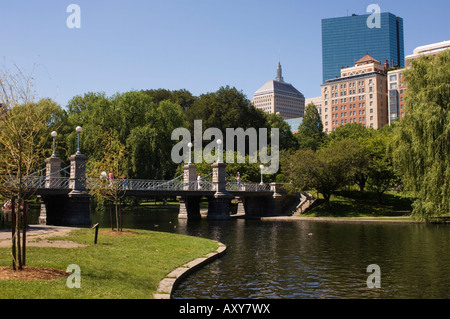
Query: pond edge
[168,284]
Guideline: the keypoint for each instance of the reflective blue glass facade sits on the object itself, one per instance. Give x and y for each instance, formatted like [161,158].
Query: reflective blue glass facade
[294,123]
[347,39]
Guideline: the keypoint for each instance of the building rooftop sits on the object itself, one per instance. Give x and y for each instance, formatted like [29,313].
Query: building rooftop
[430,48]
[278,87]
[366,60]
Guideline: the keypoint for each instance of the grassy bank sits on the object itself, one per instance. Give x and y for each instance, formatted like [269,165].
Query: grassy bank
[127,266]
[364,204]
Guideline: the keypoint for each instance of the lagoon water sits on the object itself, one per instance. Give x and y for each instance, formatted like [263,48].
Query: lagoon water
[309,259]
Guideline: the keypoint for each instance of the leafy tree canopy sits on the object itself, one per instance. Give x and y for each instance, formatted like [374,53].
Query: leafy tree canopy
[422,139]
[310,133]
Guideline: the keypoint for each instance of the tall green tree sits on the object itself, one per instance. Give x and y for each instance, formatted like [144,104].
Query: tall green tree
[422,139]
[287,138]
[182,97]
[225,108]
[150,145]
[381,173]
[310,133]
[112,186]
[325,170]
[95,113]
[354,131]
[363,156]
[136,122]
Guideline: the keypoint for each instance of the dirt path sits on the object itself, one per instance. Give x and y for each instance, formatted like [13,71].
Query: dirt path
[37,236]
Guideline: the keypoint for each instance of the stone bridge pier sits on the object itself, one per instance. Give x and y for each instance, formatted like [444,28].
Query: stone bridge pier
[218,204]
[62,209]
[264,206]
[189,205]
[253,204]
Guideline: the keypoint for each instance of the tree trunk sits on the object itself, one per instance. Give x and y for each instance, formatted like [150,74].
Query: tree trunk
[110,215]
[327,201]
[379,196]
[13,233]
[18,246]
[24,230]
[361,186]
[361,181]
[117,216]
[120,215]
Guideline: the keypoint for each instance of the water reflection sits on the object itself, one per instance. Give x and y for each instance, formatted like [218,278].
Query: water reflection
[322,260]
[305,259]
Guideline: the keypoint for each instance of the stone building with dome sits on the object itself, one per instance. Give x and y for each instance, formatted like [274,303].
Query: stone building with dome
[279,97]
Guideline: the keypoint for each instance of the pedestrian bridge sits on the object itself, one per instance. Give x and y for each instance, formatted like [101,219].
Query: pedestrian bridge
[65,192]
[142,187]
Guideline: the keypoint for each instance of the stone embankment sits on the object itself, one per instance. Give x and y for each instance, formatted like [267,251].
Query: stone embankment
[173,279]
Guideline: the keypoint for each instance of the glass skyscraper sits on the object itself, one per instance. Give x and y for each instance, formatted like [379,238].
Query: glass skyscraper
[346,39]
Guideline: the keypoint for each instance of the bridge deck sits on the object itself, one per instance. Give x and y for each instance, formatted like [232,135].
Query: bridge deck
[149,193]
[143,188]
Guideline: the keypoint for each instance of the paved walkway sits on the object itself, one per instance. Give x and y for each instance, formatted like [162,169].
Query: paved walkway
[37,236]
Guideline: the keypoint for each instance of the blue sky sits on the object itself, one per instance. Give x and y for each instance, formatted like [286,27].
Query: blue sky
[197,45]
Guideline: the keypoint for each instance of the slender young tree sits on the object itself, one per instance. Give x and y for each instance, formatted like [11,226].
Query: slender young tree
[23,133]
[106,176]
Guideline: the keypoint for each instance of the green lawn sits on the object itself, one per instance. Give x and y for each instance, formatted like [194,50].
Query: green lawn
[364,204]
[127,266]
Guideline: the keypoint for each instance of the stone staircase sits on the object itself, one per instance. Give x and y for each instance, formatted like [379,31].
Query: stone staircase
[304,203]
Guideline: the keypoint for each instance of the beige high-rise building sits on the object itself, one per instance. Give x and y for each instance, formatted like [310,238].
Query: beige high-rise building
[429,49]
[279,97]
[397,86]
[358,96]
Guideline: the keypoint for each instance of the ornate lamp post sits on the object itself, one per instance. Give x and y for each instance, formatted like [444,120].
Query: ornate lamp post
[54,134]
[219,157]
[190,146]
[78,130]
[261,167]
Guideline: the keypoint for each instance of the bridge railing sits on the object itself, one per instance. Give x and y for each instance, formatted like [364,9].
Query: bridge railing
[233,186]
[58,182]
[249,187]
[36,182]
[199,186]
[136,184]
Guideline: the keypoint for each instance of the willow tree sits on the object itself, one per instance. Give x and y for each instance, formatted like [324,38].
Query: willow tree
[23,133]
[422,139]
